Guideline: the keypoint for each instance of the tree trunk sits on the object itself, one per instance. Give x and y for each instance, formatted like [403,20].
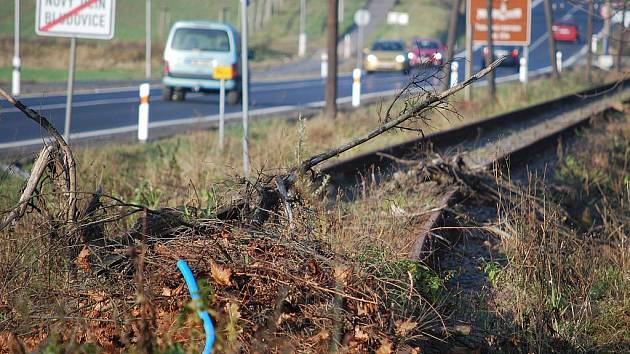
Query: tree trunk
[268,12]
[552,42]
[492,89]
[331,79]
[450,42]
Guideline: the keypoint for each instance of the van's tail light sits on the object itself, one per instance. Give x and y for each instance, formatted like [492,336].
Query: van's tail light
[235,72]
[514,53]
[167,69]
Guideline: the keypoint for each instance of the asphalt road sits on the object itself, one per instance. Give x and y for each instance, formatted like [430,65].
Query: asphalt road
[116,110]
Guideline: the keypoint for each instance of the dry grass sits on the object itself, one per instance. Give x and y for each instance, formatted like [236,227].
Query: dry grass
[174,165]
[566,284]
[50,286]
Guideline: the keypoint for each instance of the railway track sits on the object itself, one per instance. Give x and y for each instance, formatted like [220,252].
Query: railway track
[511,137]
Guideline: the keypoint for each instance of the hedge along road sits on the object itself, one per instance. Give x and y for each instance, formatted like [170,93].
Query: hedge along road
[116,111]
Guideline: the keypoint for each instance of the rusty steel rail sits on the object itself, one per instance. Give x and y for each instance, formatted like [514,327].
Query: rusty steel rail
[379,164]
[345,172]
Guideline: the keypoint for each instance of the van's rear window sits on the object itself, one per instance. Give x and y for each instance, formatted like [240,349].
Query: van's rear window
[206,40]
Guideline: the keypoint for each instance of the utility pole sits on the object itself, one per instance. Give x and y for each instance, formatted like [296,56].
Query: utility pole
[331,78]
[469,58]
[147,67]
[450,43]
[17,62]
[245,86]
[622,37]
[552,42]
[302,36]
[607,15]
[492,89]
[589,39]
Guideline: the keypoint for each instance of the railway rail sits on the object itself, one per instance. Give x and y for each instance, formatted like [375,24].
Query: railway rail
[511,137]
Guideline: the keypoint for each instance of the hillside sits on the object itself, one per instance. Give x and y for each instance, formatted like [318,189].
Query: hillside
[426,19]
[274,28]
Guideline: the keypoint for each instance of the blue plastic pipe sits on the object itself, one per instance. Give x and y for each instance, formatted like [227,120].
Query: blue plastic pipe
[194,294]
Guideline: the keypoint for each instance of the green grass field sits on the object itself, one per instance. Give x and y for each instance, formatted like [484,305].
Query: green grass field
[130,26]
[45,59]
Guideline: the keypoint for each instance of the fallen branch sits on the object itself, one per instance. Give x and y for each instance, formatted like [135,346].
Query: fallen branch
[271,193]
[428,103]
[39,167]
[69,162]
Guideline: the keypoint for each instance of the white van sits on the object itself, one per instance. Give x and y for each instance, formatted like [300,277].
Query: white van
[193,50]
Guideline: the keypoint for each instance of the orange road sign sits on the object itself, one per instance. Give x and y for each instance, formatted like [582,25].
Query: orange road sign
[511,21]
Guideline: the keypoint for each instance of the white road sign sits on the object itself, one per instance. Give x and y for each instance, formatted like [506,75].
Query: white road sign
[362,17]
[75,18]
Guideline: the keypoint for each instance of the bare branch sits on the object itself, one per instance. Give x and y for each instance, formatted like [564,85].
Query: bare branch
[430,100]
[70,164]
[39,167]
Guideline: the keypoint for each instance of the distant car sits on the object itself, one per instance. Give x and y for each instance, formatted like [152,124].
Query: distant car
[387,55]
[512,54]
[426,51]
[194,53]
[565,31]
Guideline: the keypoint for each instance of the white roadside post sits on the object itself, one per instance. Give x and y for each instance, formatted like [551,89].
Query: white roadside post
[324,66]
[92,19]
[594,44]
[522,71]
[559,61]
[245,85]
[17,63]
[143,113]
[454,73]
[356,87]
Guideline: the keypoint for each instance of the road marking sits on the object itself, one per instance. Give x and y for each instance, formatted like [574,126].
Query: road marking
[235,115]
[156,97]
[188,121]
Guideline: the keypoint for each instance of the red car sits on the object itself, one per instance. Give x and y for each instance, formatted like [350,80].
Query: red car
[426,51]
[565,31]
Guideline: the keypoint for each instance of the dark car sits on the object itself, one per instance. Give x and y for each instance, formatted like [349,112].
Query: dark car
[426,51]
[512,54]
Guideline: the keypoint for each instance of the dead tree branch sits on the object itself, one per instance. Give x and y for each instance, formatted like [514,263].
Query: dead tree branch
[38,170]
[69,162]
[430,101]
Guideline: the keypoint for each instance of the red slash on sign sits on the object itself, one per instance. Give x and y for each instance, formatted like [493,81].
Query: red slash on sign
[71,13]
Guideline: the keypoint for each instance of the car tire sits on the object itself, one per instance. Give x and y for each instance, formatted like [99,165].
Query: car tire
[406,71]
[167,93]
[234,97]
[179,95]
